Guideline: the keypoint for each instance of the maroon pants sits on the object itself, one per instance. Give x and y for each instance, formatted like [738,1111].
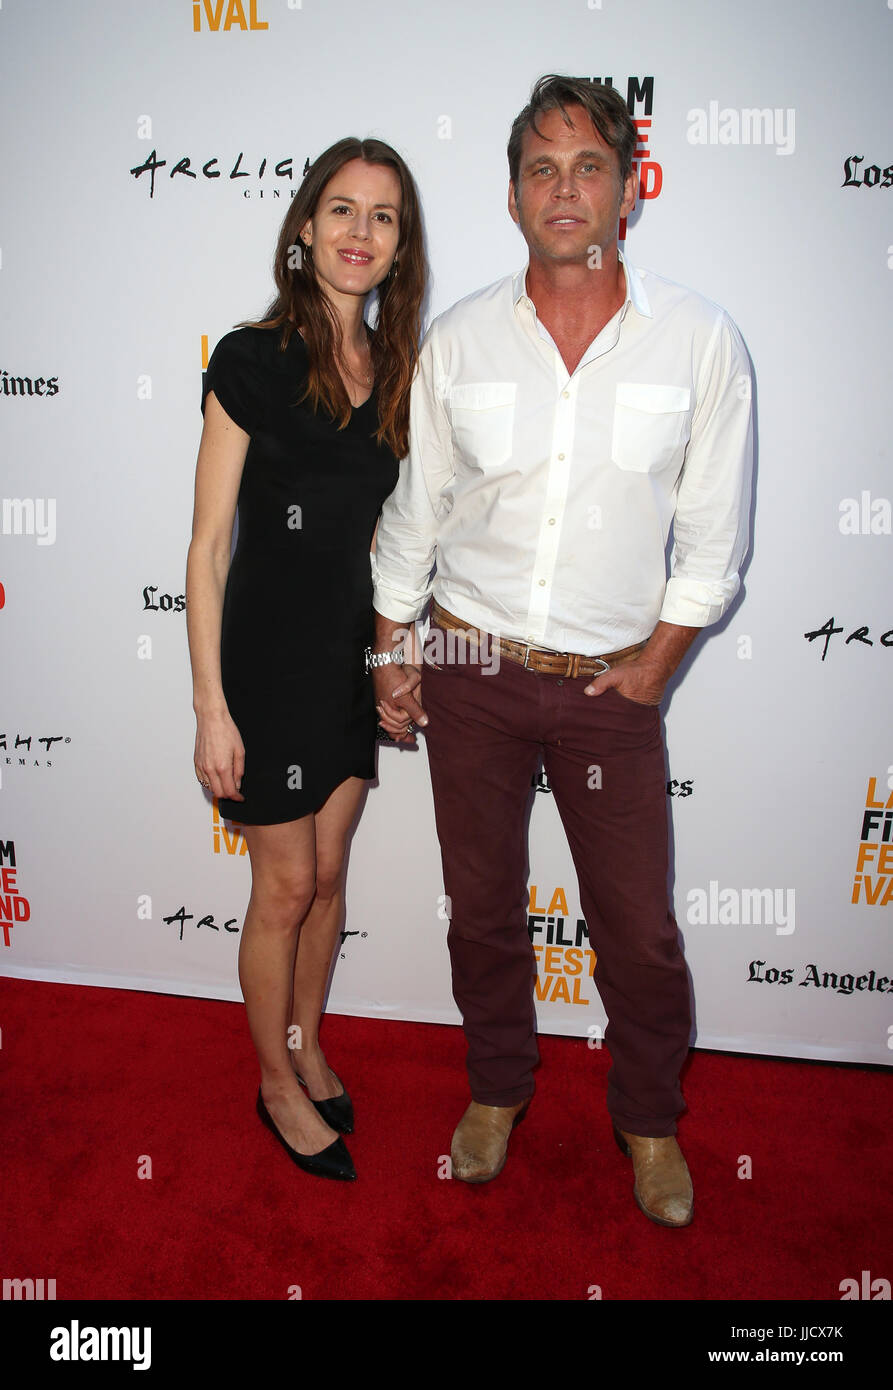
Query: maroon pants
[604,759]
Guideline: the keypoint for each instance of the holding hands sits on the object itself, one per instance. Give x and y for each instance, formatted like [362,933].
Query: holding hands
[398,696]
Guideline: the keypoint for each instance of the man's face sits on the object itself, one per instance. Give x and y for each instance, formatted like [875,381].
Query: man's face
[569,197]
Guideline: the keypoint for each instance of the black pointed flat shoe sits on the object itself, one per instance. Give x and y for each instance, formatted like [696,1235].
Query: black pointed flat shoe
[337,1111]
[333,1162]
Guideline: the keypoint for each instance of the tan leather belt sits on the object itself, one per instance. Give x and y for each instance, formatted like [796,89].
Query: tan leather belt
[537,658]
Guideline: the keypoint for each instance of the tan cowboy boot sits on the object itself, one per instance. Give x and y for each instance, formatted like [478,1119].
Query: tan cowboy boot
[663,1188]
[481,1138]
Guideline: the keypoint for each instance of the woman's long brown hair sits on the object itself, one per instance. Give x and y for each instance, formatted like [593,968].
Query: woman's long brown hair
[301,300]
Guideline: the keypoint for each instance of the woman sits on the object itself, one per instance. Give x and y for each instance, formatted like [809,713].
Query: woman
[306,415]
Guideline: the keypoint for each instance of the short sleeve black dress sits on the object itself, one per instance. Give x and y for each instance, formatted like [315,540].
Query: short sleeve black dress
[297,612]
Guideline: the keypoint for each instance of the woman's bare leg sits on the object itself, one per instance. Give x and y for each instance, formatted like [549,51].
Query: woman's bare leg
[319,935]
[283,887]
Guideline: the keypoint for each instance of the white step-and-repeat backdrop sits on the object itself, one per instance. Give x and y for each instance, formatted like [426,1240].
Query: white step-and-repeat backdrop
[149,153]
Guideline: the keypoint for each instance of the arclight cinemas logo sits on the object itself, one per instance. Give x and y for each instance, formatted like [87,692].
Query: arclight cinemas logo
[76,1343]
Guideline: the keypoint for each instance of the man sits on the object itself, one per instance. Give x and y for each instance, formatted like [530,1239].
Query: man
[562,419]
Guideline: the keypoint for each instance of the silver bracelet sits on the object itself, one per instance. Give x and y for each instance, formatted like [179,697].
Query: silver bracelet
[374,659]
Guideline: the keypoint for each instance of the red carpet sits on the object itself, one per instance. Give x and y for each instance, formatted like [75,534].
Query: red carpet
[96,1079]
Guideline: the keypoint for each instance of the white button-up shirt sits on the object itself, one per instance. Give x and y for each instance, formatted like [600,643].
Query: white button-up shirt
[545,499]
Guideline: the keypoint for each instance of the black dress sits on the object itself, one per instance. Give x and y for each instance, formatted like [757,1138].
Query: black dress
[297,612]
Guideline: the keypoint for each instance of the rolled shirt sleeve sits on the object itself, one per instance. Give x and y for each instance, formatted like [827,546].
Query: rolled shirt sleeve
[711,523]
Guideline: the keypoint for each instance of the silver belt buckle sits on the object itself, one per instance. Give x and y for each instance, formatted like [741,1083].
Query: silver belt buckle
[528,650]
[604,665]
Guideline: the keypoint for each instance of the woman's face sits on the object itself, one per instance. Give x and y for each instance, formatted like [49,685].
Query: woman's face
[355,229]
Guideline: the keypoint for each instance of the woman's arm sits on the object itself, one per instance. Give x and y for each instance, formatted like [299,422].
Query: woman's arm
[219,752]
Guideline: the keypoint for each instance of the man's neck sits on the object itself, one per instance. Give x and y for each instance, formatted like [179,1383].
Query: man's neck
[574,302]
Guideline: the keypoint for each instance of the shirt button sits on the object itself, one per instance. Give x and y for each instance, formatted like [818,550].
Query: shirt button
[566,395]
[560,457]
[551,521]
[542,583]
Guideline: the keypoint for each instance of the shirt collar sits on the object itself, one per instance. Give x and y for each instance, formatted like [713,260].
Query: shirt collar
[635,290]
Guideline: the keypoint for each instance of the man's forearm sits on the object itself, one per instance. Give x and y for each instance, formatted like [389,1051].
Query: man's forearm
[667,646]
[644,678]
[390,633]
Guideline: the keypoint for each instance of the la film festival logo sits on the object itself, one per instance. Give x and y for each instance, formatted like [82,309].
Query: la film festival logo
[564,958]
[227,839]
[14,906]
[216,16]
[640,104]
[873,880]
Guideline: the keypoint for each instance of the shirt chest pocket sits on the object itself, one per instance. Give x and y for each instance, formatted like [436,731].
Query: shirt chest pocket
[651,425]
[482,415]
